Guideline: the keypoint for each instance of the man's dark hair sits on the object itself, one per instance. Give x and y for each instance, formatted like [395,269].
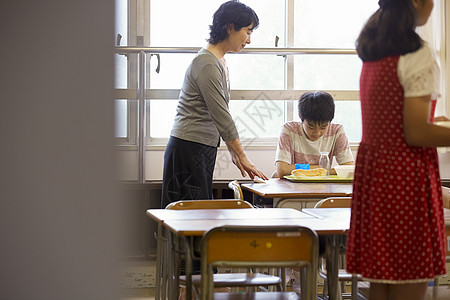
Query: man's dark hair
[317,107]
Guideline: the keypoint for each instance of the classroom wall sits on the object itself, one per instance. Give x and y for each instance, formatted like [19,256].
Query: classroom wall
[59,223]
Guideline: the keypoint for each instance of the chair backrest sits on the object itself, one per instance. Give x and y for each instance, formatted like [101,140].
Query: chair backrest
[259,247]
[334,202]
[236,187]
[446,199]
[209,204]
[446,196]
[447,233]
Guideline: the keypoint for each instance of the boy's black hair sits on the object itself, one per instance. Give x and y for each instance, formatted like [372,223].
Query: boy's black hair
[317,107]
[231,12]
[390,31]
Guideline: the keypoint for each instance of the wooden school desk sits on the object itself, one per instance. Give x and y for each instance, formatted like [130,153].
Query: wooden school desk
[176,227]
[298,193]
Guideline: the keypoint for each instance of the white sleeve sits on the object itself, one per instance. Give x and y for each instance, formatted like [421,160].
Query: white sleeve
[285,146]
[418,73]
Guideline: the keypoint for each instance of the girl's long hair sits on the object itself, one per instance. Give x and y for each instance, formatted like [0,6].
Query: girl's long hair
[390,31]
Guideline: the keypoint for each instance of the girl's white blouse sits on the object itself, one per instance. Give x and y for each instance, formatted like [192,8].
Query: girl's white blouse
[419,73]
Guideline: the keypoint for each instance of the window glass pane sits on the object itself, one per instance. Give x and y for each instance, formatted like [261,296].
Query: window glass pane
[259,118]
[330,23]
[120,61]
[171,71]
[121,118]
[255,71]
[327,72]
[120,78]
[162,114]
[271,14]
[192,19]
[348,114]
[181,23]
[120,75]
[121,21]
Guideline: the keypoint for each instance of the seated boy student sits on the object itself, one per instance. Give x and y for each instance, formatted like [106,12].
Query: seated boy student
[302,142]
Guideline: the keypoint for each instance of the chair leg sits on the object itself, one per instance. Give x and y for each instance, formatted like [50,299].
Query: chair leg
[325,289]
[339,292]
[283,279]
[304,282]
[275,272]
[342,286]
[354,288]
[196,292]
[436,281]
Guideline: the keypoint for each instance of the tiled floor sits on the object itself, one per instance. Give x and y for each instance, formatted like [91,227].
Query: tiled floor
[438,293]
[139,294]
[148,294]
[138,280]
[138,275]
[433,293]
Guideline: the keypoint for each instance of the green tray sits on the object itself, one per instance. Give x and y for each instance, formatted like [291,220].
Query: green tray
[332,178]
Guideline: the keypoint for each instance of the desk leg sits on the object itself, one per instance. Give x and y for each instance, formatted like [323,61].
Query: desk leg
[173,268]
[332,255]
[163,255]
[354,287]
[159,262]
[188,267]
[165,271]
[181,246]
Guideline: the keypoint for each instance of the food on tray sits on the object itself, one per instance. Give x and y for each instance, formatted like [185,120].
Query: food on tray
[309,173]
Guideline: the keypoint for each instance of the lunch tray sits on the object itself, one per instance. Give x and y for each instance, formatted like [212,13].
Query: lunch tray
[332,178]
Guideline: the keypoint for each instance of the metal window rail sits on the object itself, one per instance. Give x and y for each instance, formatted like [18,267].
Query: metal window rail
[142,93]
[274,50]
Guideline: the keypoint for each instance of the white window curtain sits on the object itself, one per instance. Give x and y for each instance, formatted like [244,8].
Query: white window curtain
[434,33]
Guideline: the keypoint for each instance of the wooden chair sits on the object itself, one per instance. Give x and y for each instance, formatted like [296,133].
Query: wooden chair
[343,276]
[446,196]
[446,199]
[334,202]
[260,247]
[209,204]
[236,187]
[234,280]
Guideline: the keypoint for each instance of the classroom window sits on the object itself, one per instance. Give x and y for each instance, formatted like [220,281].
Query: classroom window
[308,24]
